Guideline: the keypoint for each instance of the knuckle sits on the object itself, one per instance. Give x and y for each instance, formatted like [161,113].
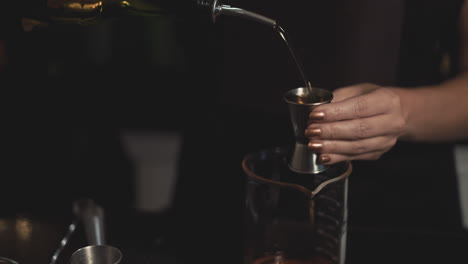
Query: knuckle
[361,106]
[338,158]
[330,146]
[337,113]
[400,125]
[368,87]
[387,145]
[392,98]
[359,148]
[392,143]
[363,130]
[375,156]
[332,132]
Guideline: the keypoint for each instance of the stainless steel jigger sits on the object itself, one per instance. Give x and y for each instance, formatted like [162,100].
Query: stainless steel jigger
[96,254]
[92,217]
[4,260]
[301,102]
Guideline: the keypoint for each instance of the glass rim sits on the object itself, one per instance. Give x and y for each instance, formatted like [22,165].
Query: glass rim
[279,150]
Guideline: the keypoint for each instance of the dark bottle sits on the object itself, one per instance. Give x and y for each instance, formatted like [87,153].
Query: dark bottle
[36,13]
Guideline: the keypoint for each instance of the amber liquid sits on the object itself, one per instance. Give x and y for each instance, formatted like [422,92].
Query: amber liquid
[310,98]
[287,40]
[292,228]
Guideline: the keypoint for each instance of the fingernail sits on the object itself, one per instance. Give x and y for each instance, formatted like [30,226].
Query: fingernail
[315,132]
[324,159]
[315,146]
[317,116]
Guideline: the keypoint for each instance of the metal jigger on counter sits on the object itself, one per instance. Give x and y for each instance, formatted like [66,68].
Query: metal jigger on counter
[92,217]
[7,261]
[96,254]
[97,251]
[301,102]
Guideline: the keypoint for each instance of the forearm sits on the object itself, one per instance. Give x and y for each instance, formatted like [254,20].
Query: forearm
[436,113]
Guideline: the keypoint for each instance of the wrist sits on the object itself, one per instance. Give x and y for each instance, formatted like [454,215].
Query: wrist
[405,105]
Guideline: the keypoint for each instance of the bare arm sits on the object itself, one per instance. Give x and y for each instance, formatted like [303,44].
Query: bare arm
[440,112]
[364,121]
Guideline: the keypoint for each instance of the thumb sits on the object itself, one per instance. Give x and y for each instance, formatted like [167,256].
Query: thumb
[347,92]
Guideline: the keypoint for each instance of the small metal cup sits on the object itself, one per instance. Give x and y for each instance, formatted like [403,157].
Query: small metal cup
[301,102]
[96,254]
[92,217]
[4,260]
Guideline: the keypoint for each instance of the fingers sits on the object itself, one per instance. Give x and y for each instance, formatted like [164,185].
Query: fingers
[361,123]
[332,152]
[377,102]
[375,126]
[343,93]
[352,148]
[330,159]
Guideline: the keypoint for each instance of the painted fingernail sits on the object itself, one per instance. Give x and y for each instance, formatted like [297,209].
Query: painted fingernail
[315,146]
[317,116]
[315,132]
[324,159]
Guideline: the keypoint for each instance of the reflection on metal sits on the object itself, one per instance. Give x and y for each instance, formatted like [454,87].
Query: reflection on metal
[73,3]
[312,211]
[96,254]
[79,7]
[64,241]
[4,260]
[301,103]
[29,24]
[23,229]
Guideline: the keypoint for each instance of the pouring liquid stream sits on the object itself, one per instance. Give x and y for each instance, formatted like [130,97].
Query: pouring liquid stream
[285,37]
[220,9]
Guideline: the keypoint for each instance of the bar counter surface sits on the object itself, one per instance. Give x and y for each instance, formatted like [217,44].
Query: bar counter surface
[145,239]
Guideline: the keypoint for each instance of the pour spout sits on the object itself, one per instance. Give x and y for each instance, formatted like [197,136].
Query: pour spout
[219,9]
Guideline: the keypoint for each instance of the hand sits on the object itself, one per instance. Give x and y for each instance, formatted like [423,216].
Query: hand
[361,123]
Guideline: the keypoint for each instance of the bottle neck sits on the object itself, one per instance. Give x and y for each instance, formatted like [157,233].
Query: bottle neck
[83,12]
[17,17]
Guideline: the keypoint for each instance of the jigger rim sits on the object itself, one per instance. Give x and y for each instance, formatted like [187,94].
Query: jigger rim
[116,260]
[325,95]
